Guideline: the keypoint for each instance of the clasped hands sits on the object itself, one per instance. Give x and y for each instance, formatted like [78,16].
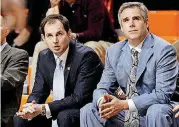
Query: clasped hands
[176,109]
[30,110]
[110,106]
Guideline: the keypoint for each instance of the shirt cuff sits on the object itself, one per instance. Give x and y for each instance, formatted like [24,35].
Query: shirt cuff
[48,112]
[132,107]
[99,101]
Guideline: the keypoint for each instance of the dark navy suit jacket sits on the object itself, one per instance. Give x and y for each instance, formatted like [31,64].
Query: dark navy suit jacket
[82,72]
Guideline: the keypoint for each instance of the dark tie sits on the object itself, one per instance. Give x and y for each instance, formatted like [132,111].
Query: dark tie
[132,118]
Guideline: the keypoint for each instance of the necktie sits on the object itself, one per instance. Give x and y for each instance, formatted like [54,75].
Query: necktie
[132,118]
[58,81]
[58,85]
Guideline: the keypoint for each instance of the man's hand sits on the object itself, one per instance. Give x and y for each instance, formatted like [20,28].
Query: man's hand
[73,36]
[113,107]
[103,101]
[54,3]
[176,109]
[30,110]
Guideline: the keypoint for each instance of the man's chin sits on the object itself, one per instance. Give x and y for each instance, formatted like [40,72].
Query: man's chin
[134,36]
[56,51]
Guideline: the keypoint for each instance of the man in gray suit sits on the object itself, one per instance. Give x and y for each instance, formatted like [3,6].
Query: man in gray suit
[138,80]
[14,67]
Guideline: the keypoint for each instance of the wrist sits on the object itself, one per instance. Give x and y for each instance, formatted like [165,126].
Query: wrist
[125,105]
[43,110]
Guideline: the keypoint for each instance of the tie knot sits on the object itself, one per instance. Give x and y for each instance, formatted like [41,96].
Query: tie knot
[58,62]
[134,52]
[134,57]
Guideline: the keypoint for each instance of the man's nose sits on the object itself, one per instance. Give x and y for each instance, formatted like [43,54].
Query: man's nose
[131,23]
[55,40]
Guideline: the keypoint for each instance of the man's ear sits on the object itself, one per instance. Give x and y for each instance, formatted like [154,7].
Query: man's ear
[69,33]
[147,23]
[7,30]
[43,37]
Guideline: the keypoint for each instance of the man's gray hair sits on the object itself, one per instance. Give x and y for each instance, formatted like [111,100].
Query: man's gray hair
[141,6]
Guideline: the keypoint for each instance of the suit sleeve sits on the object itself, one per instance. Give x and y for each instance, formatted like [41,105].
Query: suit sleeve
[89,73]
[15,72]
[41,89]
[166,74]
[108,82]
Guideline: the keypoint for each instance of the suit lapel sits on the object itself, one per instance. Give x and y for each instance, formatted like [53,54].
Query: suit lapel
[146,53]
[69,62]
[4,52]
[126,58]
[51,65]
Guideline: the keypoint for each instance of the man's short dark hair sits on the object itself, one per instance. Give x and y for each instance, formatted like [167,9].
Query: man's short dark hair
[51,19]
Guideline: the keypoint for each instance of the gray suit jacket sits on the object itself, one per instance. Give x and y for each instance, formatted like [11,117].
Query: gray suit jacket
[176,93]
[14,67]
[156,72]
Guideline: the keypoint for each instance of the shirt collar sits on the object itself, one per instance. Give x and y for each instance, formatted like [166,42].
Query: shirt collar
[3,46]
[63,57]
[139,47]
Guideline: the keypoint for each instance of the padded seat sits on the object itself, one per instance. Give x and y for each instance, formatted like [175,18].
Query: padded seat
[164,23]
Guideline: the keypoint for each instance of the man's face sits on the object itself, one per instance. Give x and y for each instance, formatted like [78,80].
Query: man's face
[133,25]
[56,37]
[4,30]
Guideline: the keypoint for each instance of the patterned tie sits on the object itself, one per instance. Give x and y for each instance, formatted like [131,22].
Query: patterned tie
[58,81]
[132,118]
[58,84]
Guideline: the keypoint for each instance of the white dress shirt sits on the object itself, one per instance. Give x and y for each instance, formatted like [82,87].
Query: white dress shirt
[63,57]
[3,46]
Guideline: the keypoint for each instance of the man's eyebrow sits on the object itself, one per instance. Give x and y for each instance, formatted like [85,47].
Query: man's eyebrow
[60,31]
[124,18]
[48,33]
[137,16]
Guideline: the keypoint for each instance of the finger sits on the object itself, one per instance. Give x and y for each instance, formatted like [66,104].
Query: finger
[26,105]
[106,99]
[20,113]
[100,103]
[176,108]
[106,110]
[32,109]
[107,115]
[106,105]
[177,115]
[27,110]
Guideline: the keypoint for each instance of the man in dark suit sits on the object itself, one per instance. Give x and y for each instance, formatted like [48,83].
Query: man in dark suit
[82,70]
[14,67]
